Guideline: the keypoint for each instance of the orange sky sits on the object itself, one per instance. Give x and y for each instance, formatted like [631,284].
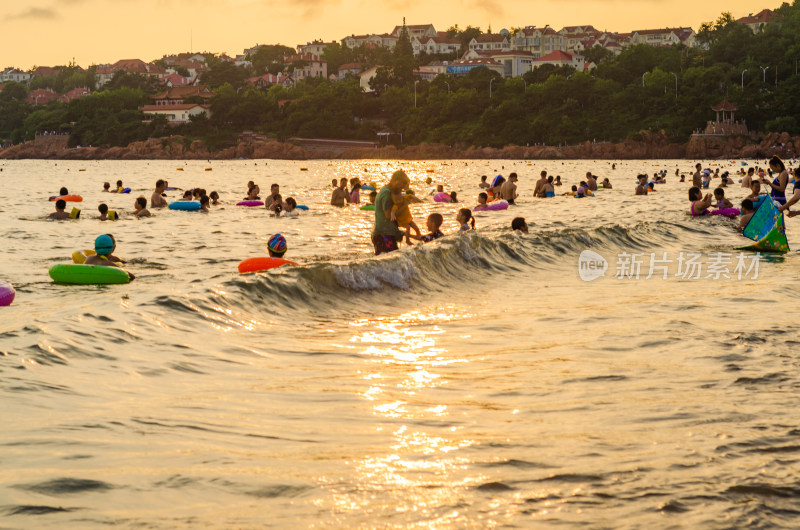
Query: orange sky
[52,32]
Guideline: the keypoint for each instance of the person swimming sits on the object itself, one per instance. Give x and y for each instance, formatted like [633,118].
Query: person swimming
[699,204]
[464,218]
[518,223]
[276,246]
[104,245]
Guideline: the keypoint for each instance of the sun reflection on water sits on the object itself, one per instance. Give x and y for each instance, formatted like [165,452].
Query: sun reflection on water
[422,469]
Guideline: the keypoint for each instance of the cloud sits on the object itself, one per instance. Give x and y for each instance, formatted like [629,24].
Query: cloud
[36,13]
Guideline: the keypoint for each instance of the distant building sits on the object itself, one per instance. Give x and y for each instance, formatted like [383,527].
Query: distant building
[105,73]
[75,93]
[435,45]
[562,58]
[426,74]
[370,41]
[176,95]
[420,31]
[465,66]
[45,71]
[489,42]
[176,80]
[366,76]
[538,41]
[176,113]
[515,63]
[12,74]
[663,37]
[268,80]
[349,69]
[316,47]
[757,22]
[314,66]
[41,96]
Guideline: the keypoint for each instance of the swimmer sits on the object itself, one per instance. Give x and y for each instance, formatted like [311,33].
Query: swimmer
[651,187]
[484,184]
[482,199]
[204,200]
[157,200]
[571,193]
[119,186]
[755,190]
[641,188]
[558,181]
[498,182]
[700,204]
[697,177]
[106,187]
[334,183]
[106,214]
[411,197]
[508,191]
[748,179]
[291,208]
[252,194]
[187,195]
[453,197]
[63,191]
[434,225]
[519,224]
[606,184]
[214,196]
[778,191]
[104,245]
[372,196]
[276,204]
[464,218]
[273,197]
[339,196]
[591,181]
[276,246]
[355,191]
[140,207]
[722,202]
[61,204]
[582,190]
[706,178]
[549,190]
[748,209]
[538,190]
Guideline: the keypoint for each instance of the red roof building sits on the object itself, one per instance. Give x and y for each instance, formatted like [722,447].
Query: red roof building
[41,96]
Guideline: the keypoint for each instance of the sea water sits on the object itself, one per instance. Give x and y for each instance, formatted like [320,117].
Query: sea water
[478,381]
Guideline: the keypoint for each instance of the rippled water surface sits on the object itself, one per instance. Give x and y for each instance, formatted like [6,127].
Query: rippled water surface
[473,382]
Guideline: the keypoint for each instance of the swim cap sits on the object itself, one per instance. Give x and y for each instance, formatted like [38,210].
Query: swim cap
[103,245]
[277,244]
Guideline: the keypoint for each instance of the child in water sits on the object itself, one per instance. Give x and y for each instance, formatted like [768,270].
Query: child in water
[61,204]
[464,218]
[519,224]
[214,196]
[104,245]
[401,213]
[700,204]
[291,208]
[276,246]
[204,200]
[748,209]
[434,224]
[106,214]
[106,187]
[722,202]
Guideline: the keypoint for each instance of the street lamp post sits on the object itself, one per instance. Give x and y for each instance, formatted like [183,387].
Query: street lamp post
[448,87]
[524,86]
[415,93]
[676,84]
[764,71]
[644,74]
[490,87]
[743,71]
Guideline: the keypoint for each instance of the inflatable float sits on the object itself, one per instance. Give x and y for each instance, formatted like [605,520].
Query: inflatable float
[7,294]
[187,206]
[79,256]
[302,207]
[442,197]
[727,212]
[67,198]
[494,205]
[88,275]
[250,203]
[124,190]
[367,187]
[262,263]
[370,207]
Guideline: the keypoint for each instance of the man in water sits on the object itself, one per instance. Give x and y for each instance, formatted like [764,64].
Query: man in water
[274,195]
[641,188]
[591,181]
[539,189]
[385,233]
[508,191]
[157,200]
[339,197]
[697,178]
[61,205]
[749,177]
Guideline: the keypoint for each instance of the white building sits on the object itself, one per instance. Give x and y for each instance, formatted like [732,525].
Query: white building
[12,74]
[561,58]
[539,41]
[176,113]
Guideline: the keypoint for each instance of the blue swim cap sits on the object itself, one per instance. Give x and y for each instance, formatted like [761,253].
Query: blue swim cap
[103,245]
[277,244]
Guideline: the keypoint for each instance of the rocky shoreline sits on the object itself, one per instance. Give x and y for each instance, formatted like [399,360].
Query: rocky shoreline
[647,145]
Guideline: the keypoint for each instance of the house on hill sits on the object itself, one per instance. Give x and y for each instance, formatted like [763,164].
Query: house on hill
[176,95]
[538,41]
[75,93]
[41,96]
[176,113]
[420,31]
[759,21]
[562,58]
[663,37]
[488,42]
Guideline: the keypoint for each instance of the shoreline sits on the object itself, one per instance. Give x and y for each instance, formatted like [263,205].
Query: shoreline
[648,145]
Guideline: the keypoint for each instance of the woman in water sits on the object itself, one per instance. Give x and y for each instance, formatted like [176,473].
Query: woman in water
[549,190]
[385,233]
[778,185]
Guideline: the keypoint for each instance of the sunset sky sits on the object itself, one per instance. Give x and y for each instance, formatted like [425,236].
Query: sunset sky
[52,32]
